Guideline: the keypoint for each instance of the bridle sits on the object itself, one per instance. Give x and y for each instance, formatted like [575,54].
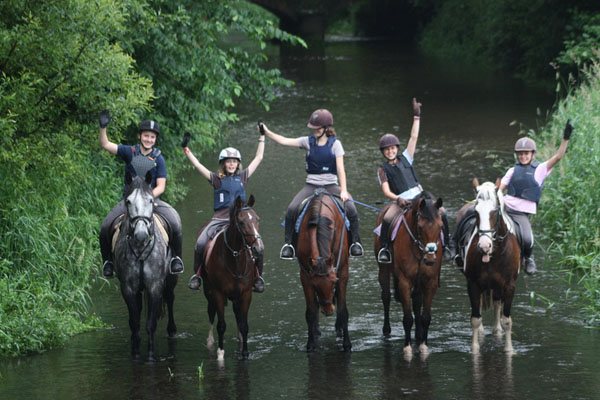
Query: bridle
[244,248]
[492,233]
[424,249]
[131,224]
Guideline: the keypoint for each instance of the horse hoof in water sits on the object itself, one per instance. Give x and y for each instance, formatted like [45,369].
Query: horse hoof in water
[220,354]
[423,349]
[407,349]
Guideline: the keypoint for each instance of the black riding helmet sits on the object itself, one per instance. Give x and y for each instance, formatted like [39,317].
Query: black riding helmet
[149,125]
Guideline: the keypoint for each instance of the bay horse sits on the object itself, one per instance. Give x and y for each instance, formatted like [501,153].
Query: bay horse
[492,261]
[140,255]
[324,268]
[229,272]
[415,268]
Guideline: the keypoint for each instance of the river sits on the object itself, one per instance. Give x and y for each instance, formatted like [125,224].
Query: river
[465,132]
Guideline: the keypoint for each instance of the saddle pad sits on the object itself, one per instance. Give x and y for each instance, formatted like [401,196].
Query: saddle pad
[396,225]
[157,221]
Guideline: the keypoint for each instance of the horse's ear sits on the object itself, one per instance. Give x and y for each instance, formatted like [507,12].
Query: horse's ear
[439,203]
[128,177]
[148,177]
[475,183]
[238,202]
[251,201]
[422,204]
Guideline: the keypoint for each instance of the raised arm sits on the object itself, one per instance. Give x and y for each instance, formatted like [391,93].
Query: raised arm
[562,149]
[260,150]
[414,131]
[282,140]
[102,137]
[190,156]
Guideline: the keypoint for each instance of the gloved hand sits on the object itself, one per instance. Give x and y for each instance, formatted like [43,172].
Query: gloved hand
[104,118]
[186,139]
[568,130]
[416,107]
[261,128]
[403,202]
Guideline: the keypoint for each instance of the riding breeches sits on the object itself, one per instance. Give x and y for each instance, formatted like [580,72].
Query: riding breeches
[524,225]
[307,191]
[209,232]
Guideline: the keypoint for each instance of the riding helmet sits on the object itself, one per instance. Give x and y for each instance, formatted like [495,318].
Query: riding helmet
[230,152]
[320,118]
[149,125]
[525,144]
[388,140]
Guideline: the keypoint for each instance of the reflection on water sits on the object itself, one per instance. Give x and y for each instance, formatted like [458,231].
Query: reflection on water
[368,86]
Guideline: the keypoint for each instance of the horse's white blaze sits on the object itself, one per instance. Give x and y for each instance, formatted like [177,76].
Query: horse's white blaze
[220,354]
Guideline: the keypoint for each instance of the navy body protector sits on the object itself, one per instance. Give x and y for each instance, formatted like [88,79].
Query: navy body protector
[320,159]
[140,164]
[401,176]
[231,188]
[523,184]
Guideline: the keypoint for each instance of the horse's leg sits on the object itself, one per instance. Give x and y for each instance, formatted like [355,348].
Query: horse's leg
[221,325]
[212,311]
[134,306]
[311,315]
[506,320]
[154,306]
[407,320]
[417,306]
[475,298]
[384,283]
[426,316]
[242,321]
[169,298]
[497,328]
[342,313]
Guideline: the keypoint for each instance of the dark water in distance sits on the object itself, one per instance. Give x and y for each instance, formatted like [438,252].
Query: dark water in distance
[368,86]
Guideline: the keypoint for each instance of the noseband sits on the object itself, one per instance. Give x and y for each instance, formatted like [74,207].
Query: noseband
[429,248]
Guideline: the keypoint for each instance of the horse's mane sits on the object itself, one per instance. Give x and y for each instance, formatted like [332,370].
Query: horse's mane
[430,212]
[487,192]
[324,225]
[137,182]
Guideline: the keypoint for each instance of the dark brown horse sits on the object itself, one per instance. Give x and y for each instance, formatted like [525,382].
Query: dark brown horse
[416,264]
[230,271]
[492,260]
[323,258]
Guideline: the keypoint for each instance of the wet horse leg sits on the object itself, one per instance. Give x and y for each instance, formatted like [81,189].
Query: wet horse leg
[497,327]
[169,297]
[341,321]
[407,320]
[240,309]
[212,311]
[506,320]
[154,305]
[133,301]
[417,306]
[312,317]
[384,283]
[426,318]
[475,299]
[221,325]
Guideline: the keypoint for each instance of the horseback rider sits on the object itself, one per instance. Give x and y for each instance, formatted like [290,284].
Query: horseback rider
[524,182]
[399,182]
[140,159]
[229,183]
[324,166]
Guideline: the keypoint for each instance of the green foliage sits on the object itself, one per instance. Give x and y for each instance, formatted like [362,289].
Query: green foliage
[571,197]
[521,37]
[582,41]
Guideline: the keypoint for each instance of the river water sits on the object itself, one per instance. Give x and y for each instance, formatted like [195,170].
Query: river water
[368,86]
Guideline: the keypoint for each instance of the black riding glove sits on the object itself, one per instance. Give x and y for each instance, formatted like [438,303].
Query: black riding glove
[186,139]
[416,108]
[261,128]
[104,118]
[568,130]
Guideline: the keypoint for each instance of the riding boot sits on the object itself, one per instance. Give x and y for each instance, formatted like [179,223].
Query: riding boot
[259,282]
[176,264]
[107,269]
[287,251]
[384,256]
[356,249]
[449,254]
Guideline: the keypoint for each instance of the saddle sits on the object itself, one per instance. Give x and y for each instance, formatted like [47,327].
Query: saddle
[212,234]
[159,222]
[393,220]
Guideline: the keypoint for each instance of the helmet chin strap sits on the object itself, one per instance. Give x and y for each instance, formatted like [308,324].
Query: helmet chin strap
[324,132]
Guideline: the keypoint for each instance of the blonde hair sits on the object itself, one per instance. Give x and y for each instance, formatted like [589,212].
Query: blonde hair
[221,171]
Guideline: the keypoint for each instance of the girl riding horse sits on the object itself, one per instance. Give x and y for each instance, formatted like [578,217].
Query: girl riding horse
[399,182]
[229,183]
[140,159]
[324,166]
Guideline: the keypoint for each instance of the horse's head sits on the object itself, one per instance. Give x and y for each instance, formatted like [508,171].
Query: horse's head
[429,226]
[246,220]
[140,205]
[487,205]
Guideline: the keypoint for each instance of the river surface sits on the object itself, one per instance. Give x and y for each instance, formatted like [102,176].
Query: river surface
[368,86]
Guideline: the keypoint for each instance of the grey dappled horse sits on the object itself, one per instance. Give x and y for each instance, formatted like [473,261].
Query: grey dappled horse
[141,254]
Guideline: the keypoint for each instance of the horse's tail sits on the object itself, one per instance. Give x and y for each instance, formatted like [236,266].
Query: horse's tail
[486,299]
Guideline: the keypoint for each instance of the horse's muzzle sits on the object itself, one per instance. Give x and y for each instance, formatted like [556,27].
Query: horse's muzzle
[327,308]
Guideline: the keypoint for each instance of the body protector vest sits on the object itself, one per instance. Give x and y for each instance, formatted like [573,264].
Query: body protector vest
[320,159]
[401,176]
[523,184]
[140,164]
[231,188]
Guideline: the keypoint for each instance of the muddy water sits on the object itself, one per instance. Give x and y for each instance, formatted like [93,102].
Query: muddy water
[368,87]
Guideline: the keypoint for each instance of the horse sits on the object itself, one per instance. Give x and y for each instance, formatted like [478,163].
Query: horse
[415,268]
[229,272]
[140,256]
[492,261]
[323,258]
